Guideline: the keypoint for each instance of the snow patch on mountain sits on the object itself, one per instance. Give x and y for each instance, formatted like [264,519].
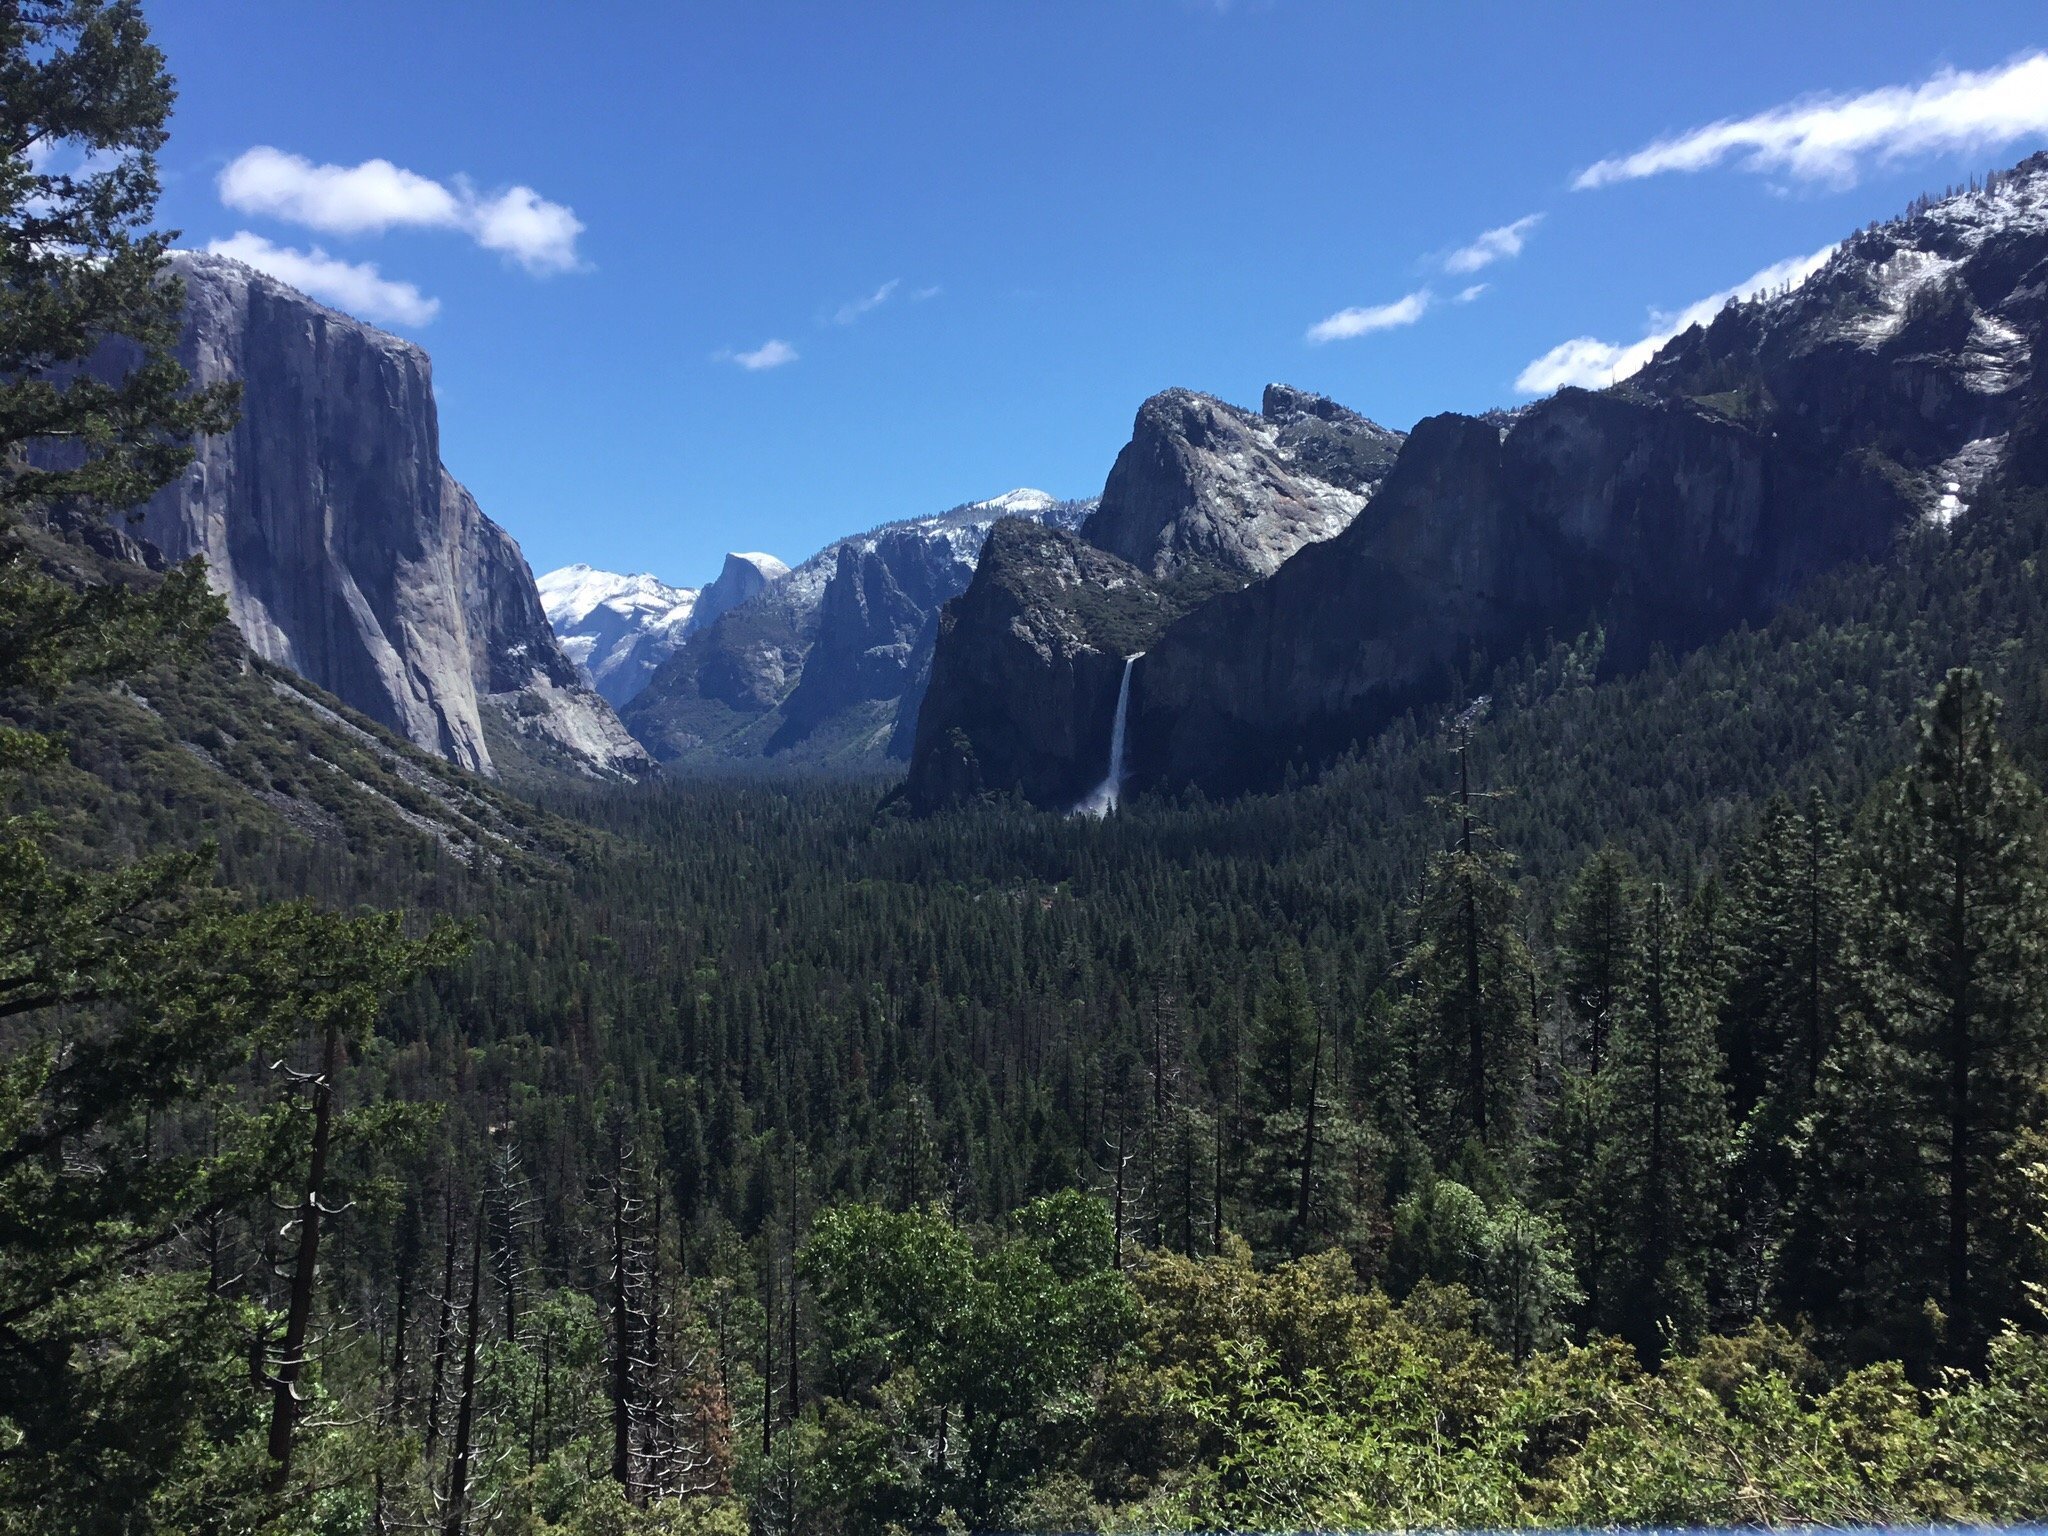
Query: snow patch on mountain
[617,628]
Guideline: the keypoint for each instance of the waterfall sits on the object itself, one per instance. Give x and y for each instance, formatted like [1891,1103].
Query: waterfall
[1101,800]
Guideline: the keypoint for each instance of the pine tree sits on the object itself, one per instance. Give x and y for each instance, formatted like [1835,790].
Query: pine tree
[1796,974]
[1863,1185]
[131,992]
[1280,1063]
[1964,875]
[1662,1147]
[1597,949]
[1464,993]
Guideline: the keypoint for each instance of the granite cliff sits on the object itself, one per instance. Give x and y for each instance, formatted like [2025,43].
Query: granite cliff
[348,554]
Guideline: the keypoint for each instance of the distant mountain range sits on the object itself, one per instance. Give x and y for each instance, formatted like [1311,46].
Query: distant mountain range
[617,628]
[1295,577]
[822,666]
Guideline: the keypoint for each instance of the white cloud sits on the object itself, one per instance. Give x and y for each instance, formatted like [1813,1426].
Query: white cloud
[1594,364]
[853,309]
[354,286]
[520,223]
[1827,138]
[1347,323]
[1500,244]
[336,199]
[377,195]
[1467,295]
[772,353]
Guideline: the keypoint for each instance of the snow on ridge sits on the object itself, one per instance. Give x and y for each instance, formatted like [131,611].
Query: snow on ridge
[1024,499]
[571,594]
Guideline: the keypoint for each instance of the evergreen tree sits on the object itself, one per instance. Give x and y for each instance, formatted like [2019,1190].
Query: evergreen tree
[1465,996]
[128,993]
[1598,952]
[1854,1263]
[1662,1147]
[1597,949]
[1797,971]
[1964,875]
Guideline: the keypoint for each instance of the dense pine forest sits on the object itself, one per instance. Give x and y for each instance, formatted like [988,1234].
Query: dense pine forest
[1620,1102]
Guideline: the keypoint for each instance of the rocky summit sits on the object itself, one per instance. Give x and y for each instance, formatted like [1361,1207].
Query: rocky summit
[619,629]
[1205,485]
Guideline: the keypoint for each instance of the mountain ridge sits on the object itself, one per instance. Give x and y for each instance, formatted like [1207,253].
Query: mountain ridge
[1794,433]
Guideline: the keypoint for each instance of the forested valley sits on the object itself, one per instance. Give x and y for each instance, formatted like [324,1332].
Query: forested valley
[1618,1102]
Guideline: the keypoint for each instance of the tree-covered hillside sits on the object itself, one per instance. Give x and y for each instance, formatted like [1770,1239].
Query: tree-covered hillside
[1621,1102]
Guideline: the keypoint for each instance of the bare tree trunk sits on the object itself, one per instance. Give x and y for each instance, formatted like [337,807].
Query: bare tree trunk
[768,1340]
[444,1328]
[457,1512]
[1308,1140]
[789,1346]
[284,1395]
[622,1322]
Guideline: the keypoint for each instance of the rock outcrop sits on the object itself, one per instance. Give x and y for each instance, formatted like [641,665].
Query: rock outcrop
[744,577]
[347,552]
[1796,432]
[1205,484]
[1204,498]
[825,666]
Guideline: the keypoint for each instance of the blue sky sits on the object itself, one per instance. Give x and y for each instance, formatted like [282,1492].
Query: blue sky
[959,243]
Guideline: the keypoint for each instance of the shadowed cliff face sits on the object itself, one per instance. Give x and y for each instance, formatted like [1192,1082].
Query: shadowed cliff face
[345,550]
[1025,676]
[1203,498]
[1793,434]
[1796,432]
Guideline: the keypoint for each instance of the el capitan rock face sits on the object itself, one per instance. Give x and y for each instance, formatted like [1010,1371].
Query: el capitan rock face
[1794,433]
[347,552]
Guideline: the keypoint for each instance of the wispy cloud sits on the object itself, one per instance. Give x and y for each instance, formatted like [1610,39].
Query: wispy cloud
[772,353]
[1502,244]
[1347,323]
[1467,295]
[1828,138]
[354,286]
[376,196]
[853,309]
[1594,364]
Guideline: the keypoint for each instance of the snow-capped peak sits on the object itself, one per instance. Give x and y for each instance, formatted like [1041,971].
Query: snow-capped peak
[618,628]
[571,594]
[1019,503]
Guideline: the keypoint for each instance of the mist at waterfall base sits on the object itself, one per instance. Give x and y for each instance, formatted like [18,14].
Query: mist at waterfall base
[1102,799]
